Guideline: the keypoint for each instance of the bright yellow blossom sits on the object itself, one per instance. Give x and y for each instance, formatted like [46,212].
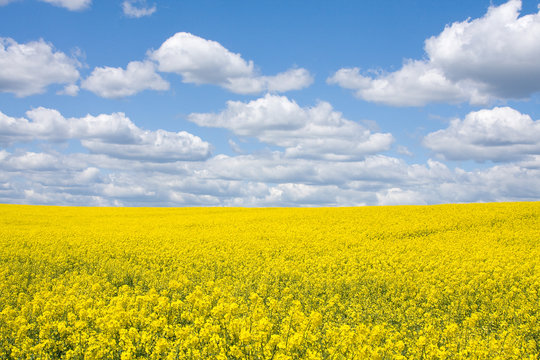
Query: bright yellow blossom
[409,282]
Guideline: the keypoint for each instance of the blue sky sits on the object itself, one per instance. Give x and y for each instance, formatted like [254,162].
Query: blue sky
[268,103]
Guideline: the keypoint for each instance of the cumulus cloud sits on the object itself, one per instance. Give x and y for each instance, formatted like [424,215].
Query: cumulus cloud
[397,196]
[72,5]
[492,57]
[21,67]
[159,145]
[416,84]
[277,168]
[110,82]
[29,161]
[318,131]
[126,166]
[137,8]
[70,90]
[499,134]
[199,60]
[202,61]
[292,79]
[255,180]
[499,51]
[111,134]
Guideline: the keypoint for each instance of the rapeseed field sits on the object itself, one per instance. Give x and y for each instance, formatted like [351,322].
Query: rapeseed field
[411,282]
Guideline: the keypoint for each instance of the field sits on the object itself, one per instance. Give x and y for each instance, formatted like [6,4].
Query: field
[426,282]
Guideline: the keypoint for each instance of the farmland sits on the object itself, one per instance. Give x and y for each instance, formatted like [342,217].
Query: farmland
[406,282]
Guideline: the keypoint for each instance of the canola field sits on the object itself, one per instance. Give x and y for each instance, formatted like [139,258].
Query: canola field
[411,282]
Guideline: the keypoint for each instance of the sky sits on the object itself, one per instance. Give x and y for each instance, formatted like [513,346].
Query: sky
[269,103]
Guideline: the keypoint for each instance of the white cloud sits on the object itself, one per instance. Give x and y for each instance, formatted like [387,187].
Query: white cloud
[492,57]
[499,51]
[46,124]
[159,145]
[114,135]
[317,132]
[110,82]
[89,175]
[397,196]
[309,195]
[30,161]
[131,191]
[202,61]
[292,79]
[277,168]
[415,84]
[509,182]
[137,8]
[255,180]
[499,134]
[72,5]
[70,90]
[22,67]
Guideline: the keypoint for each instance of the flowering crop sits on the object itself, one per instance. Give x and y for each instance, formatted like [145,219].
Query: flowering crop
[411,282]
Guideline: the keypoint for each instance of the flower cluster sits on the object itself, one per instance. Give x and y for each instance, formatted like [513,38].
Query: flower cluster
[433,282]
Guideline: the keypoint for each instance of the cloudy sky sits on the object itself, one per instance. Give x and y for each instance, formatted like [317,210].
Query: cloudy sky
[269,103]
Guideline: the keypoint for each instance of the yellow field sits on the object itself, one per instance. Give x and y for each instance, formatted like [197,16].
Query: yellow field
[431,282]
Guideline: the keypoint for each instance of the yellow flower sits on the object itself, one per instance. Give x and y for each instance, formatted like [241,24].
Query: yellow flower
[432,282]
